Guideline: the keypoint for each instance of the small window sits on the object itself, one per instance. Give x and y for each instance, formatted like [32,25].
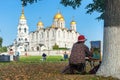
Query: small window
[37,48]
[42,34]
[25,39]
[25,30]
[53,33]
[58,33]
[47,34]
[19,39]
[19,29]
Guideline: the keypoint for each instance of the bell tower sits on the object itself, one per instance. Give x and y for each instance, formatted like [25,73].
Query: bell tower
[22,33]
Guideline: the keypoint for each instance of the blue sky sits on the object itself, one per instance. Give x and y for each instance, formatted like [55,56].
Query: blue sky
[10,11]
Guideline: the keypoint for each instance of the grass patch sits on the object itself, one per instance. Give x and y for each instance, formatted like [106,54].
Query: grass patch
[54,58]
[30,58]
[39,58]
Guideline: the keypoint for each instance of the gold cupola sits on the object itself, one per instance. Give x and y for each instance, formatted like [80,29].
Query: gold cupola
[73,22]
[40,23]
[61,19]
[58,16]
[22,15]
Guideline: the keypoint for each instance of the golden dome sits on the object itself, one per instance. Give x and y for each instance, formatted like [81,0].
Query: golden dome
[73,22]
[22,16]
[61,19]
[39,23]
[58,16]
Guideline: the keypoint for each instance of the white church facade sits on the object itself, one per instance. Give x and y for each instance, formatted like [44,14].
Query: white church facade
[45,38]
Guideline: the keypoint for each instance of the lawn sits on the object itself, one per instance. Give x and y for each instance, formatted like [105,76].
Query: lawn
[39,58]
[32,68]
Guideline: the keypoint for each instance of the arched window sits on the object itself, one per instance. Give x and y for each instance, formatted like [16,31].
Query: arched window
[25,39]
[53,33]
[58,33]
[61,24]
[68,35]
[36,36]
[42,34]
[37,48]
[39,36]
[47,34]
[25,30]
[19,29]
[32,36]
[32,48]
[64,34]
[21,39]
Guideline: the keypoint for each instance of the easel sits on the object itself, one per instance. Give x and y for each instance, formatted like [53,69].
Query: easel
[97,57]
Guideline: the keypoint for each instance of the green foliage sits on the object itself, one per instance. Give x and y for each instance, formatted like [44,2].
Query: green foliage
[29,1]
[55,47]
[62,48]
[73,3]
[97,5]
[1,40]
[3,49]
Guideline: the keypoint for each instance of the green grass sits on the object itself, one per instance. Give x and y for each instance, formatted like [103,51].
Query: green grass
[39,58]
[54,58]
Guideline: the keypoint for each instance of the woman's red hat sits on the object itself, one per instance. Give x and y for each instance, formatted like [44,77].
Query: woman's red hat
[81,38]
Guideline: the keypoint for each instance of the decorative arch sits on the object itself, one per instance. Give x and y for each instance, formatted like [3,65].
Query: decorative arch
[38,48]
[59,33]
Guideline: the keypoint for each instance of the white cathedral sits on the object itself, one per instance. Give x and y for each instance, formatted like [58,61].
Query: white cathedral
[45,38]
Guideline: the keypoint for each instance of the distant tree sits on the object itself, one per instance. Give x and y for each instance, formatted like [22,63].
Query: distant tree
[55,47]
[24,2]
[1,40]
[110,13]
[3,49]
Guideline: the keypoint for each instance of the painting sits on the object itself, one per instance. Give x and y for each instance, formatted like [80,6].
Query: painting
[96,49]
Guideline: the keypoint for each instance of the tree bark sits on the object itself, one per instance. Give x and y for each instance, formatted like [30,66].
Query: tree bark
[110,65]
[112,13]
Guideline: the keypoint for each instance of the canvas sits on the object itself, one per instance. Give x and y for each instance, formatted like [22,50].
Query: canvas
[96,49]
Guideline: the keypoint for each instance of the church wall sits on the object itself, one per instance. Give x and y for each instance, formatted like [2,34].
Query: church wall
[55,22]
[49,53]
[52,37]
[63,38]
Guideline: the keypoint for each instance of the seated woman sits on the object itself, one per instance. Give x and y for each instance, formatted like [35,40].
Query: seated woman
[77,57]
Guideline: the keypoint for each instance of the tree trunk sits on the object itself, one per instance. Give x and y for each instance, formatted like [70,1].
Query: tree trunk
[110,65]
